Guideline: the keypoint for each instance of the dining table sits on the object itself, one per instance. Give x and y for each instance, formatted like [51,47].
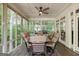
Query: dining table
[38,39]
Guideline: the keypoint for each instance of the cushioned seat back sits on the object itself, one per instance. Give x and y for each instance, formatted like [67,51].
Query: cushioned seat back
[26,36]
[55,38]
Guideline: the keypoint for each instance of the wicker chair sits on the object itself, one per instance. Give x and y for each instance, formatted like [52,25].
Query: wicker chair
[26,40]
[52,44]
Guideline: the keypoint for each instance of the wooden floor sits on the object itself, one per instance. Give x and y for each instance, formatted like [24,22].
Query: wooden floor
[60,50]
[64,51]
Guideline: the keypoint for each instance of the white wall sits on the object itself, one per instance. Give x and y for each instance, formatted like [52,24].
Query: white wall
[66,13]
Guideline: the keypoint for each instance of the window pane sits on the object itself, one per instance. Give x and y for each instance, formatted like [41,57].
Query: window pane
[14,30]
[62,28]
[46,25]
[25,25]
[18,30]
[12,27]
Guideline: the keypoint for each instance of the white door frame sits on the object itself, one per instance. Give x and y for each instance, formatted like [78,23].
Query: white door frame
[76,33]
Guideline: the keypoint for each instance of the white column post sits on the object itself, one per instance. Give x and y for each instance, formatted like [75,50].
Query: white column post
[11,33]
[4,29]
[75,31]
[16,31]
[21,30]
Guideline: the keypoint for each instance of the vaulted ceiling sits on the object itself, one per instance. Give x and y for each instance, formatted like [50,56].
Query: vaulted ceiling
[28,9]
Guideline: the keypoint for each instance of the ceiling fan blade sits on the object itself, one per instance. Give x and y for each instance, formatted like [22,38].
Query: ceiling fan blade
[37,8]
[46,9]
[45,12]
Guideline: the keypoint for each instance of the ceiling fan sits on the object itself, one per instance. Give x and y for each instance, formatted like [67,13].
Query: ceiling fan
[42,10]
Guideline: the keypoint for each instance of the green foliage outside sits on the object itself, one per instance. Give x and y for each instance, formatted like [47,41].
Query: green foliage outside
[49,25]
[17,28]
[1,12]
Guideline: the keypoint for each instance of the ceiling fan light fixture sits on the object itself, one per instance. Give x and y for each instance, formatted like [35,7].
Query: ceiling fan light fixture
[40,12]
